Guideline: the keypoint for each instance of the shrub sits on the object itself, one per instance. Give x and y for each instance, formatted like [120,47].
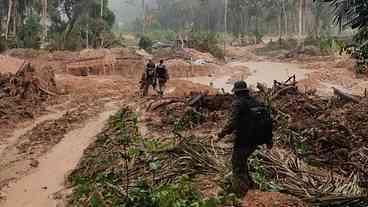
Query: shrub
[207,42]
[2,45]
[161,35]
[145,43]
[28,36]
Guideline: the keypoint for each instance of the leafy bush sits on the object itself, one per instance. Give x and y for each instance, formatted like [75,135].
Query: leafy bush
[145,43]
[29,35]
[258,35]
[208,42]
[2,45]
[361,57]
[181,194]
[160,35]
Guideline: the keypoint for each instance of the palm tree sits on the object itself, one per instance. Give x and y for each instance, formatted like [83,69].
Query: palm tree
[352,13]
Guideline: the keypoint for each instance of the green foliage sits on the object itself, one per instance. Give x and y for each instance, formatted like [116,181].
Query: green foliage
[330,44]
[2,45]
[101,178]
[360,54]
[145,43]
[190,119]
[259,175]
[181,194]
[259,35]
[208,42]
[353,13]
[160,35]
[29,35]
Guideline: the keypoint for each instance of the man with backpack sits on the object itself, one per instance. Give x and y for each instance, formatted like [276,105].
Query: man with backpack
[162,77]
[148,77]
[251,124]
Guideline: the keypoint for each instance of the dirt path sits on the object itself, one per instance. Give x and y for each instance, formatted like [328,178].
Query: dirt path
[41,187]
[21,131]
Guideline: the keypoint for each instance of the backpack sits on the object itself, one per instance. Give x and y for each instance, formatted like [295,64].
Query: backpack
[150,70]
[161,71]
[260,125]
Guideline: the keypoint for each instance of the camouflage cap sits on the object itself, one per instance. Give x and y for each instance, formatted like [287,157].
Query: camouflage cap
[240,86]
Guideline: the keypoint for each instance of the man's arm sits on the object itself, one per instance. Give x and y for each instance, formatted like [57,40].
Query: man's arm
[231,122]
[145,71]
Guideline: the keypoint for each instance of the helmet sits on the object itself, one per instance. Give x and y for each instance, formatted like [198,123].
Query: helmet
[240,86]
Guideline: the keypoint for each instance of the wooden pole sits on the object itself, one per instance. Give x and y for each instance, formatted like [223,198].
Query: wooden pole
[102,8]
[10,9]
[144,17]
[300,33]
[225,26]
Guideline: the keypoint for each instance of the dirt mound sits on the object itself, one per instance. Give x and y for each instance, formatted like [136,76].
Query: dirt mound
[271,199]
[25,53]
[185,54]
[170,53]
[324,132]
[243,53]
[22,93]
[197,55]
[106,62]
[28,83]
[10,64]
[94,53]
[182,68]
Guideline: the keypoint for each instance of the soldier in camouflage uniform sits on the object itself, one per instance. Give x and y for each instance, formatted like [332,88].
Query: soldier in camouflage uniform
[243,146]
[162,77]
[148,77]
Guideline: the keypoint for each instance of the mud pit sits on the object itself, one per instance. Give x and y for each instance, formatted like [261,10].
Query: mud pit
[252,73]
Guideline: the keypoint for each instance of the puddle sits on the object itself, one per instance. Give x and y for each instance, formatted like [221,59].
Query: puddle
[264,72]
[325,89]
[267,72]
[215,82]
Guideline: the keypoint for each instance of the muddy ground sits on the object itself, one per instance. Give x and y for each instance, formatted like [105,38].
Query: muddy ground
[42,147]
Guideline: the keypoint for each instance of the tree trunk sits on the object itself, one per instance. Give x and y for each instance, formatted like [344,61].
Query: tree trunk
[304,22]
[10,9]
[15,15]
[300,33]
[285,18]
[208,17]
[144,17]
[225,26]
[279,21]
[317,26]
[44,20]
[102,8]
[87,34]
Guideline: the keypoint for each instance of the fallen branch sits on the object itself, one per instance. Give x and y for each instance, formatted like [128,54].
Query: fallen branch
[345,96]
[281,91]
[166,103]
[198,98]
[262,87]
[47,92]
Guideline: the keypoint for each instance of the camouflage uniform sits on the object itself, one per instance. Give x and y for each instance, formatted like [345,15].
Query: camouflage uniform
[243,148]
[148,78]
[162,77]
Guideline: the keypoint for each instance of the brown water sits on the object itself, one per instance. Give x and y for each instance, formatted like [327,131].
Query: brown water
[263,72]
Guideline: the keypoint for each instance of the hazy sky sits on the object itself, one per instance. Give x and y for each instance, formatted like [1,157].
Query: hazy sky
[127,12]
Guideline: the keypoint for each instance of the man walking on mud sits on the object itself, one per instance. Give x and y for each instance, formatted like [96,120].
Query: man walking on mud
[251,123]
[162,77]
[148,77]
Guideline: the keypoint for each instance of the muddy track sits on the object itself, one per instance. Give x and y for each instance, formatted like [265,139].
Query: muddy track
[36,160]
